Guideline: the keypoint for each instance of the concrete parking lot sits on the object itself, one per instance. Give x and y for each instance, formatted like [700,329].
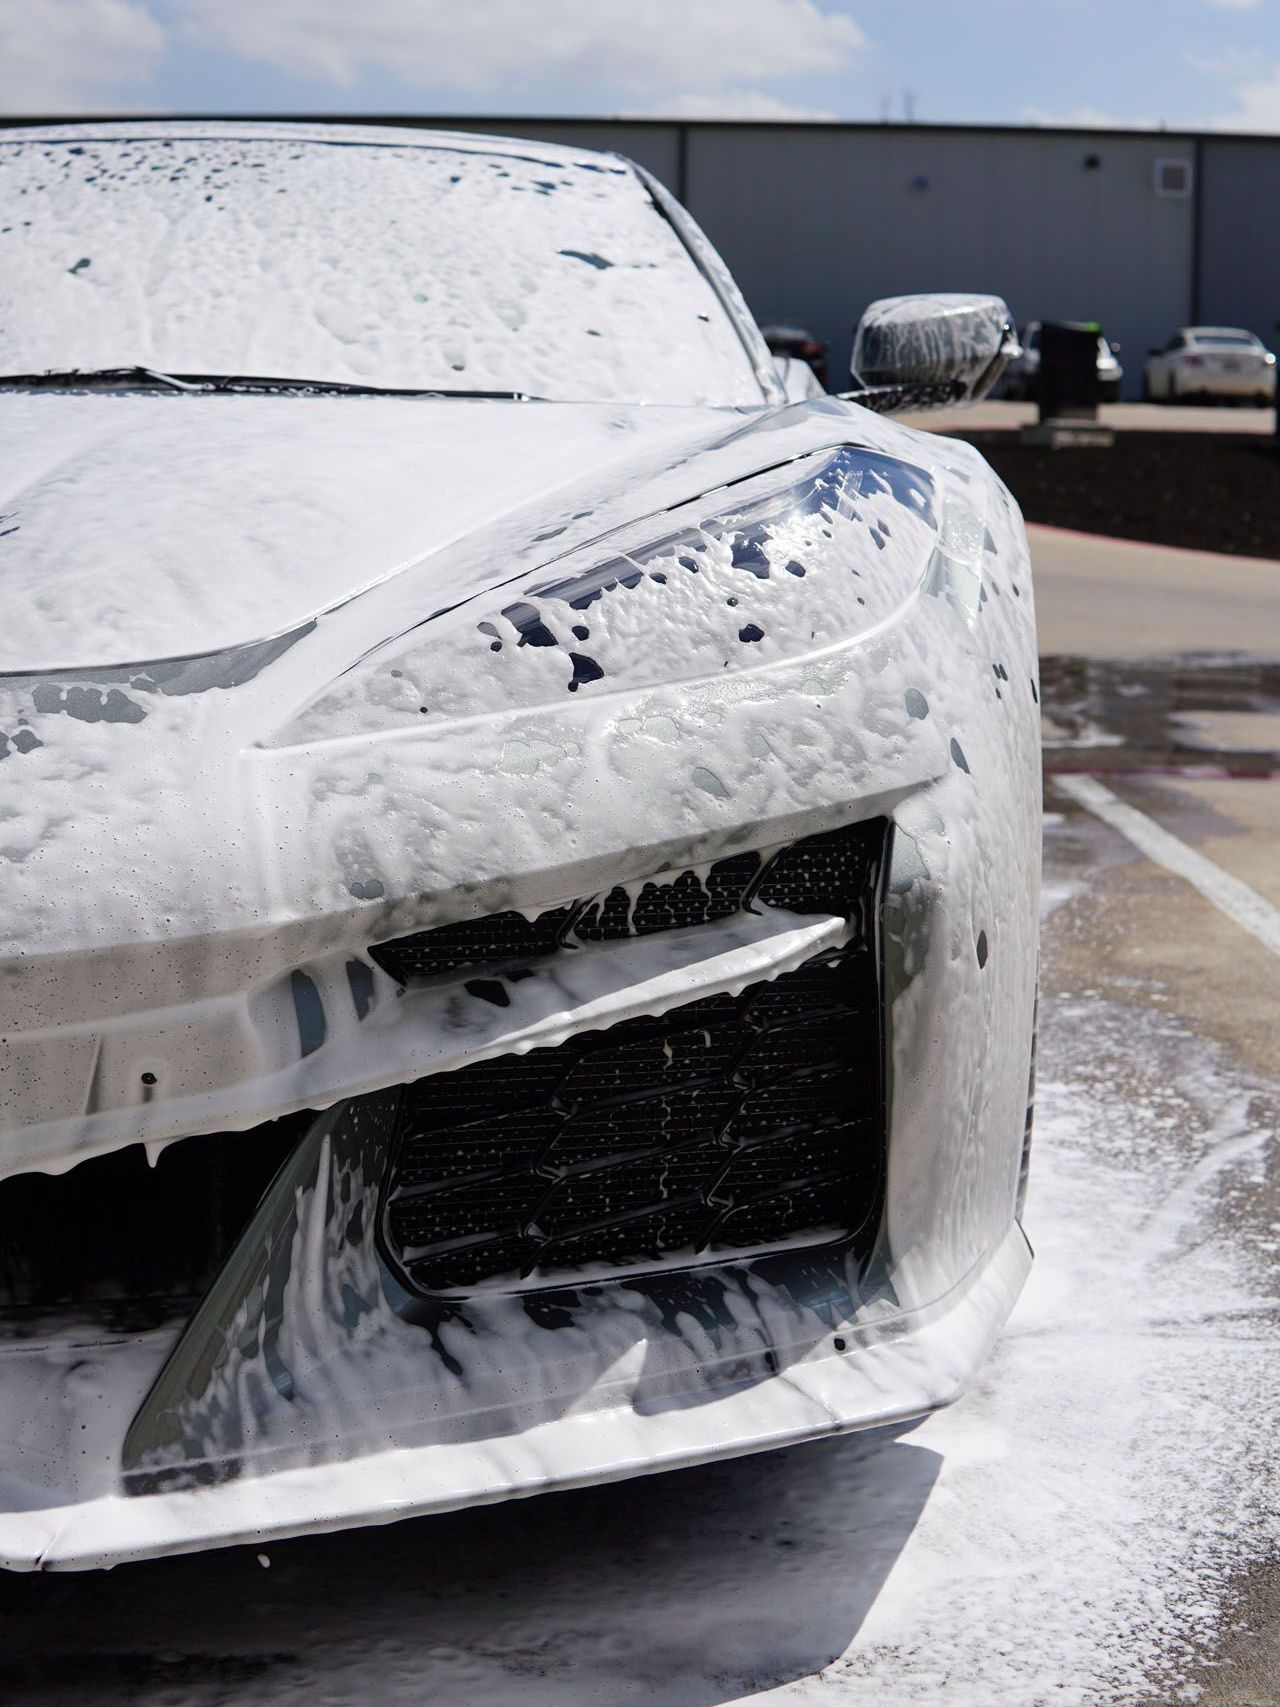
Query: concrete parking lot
[1096,1522]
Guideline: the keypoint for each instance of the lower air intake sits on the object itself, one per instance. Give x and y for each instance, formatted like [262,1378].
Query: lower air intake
[733,1125]
[135,1243]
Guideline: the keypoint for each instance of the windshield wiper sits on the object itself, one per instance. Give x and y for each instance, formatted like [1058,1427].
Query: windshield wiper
[75,379]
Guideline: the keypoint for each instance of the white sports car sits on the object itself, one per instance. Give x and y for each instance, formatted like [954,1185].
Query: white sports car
[519,845]
[1202,363]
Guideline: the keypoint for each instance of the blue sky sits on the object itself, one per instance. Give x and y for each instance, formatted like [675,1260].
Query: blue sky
[1184,63]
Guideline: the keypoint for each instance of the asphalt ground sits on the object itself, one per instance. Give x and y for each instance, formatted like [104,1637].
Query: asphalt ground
[1095,1523]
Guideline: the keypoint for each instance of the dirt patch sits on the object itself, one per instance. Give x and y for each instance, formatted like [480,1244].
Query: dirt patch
[1210,492]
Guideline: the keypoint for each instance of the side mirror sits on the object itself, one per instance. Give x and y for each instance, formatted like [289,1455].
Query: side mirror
[933,350]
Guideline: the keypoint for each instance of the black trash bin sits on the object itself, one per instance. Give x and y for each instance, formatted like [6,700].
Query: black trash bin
[1068,370]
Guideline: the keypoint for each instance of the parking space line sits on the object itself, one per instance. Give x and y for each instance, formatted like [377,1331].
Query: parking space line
[1245,906]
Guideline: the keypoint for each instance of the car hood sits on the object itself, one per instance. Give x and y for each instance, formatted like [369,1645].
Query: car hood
[137,527]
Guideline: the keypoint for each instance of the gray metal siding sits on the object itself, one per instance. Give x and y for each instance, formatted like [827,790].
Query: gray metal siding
[816,223]
[1240,241]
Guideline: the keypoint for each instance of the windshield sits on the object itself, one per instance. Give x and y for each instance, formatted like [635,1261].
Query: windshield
[420,266]
[1227,340]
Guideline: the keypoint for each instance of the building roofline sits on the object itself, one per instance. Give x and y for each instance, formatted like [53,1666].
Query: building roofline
[494,124]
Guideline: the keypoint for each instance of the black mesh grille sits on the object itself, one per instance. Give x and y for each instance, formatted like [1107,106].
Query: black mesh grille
[731,1124]
[811,876]
[500,939]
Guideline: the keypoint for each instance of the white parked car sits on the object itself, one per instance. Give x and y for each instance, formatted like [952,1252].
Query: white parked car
[1203,362]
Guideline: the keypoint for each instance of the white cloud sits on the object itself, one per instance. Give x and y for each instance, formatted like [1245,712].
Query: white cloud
[1257,105]
[1235,5]
[733,104]
[1251,79]
[1253,82]
[1231,65]
[475,46]
[1085,118]
[59,56]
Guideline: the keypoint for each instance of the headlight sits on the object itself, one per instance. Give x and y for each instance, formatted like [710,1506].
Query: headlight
[774,567]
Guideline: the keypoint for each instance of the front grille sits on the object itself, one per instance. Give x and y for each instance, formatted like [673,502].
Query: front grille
[821,874]
[732,1124]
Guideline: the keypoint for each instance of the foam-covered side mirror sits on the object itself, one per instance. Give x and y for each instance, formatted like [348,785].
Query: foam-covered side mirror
[949,349]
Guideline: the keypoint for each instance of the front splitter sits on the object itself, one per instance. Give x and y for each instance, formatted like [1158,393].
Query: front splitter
[871,1372]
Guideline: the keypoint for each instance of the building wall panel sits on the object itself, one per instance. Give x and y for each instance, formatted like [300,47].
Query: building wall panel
[1240,235]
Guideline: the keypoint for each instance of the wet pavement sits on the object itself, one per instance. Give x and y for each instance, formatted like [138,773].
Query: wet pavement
[1192,716]
[1192,740]
[1096,1523]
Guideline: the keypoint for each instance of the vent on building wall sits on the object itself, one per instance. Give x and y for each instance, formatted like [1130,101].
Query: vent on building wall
[1173,179]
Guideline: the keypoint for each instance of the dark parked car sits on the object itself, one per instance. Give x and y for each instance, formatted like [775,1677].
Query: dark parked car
[789,338]
[1022,376]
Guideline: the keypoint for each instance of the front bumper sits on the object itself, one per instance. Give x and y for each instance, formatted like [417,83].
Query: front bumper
[1249,383]
[308,1391]
[796,1368]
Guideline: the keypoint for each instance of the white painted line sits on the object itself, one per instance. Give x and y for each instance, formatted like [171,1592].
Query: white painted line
[1244,905]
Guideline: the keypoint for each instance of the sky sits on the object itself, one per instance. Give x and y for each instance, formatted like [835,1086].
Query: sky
[1203,64]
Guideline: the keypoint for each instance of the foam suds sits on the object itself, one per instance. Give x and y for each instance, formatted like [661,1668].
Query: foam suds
[1114,1466]
[396,260]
